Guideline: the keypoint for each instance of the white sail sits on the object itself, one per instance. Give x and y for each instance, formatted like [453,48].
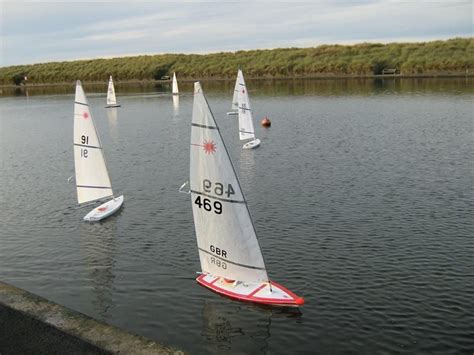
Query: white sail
[175,85]
[111,99]
[226,238]
[92,178]
[235,97]
[246,130]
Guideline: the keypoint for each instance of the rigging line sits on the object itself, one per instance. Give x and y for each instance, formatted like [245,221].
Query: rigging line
[232,262]
[80,103]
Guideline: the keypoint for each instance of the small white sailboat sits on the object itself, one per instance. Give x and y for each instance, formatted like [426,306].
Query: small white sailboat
[111,99]
[235,103]
[231,259]
[92,179]
[246,129]
[174,88]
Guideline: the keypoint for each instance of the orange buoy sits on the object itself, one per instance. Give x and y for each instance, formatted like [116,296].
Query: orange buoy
[266,122]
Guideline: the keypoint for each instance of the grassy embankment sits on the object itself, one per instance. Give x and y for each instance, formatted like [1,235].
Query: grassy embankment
[450,57]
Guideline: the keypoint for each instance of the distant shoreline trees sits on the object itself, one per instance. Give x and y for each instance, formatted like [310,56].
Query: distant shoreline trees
[449,57]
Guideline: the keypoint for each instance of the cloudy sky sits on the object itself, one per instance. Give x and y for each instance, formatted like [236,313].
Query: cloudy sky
[39,31]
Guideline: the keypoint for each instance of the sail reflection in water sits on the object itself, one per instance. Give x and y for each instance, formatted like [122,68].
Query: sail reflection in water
[175,105]
[227,326]
[98,248]
[247,166]
[112,118]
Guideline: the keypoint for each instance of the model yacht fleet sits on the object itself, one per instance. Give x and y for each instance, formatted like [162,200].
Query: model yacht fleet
[232,262]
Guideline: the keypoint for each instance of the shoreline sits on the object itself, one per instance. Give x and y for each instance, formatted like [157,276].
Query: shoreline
[33,324]
[441,75]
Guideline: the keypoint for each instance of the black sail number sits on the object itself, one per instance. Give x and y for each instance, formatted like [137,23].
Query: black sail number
[218,263]
[84,151]
[205,203]
[217,188]
[243,109]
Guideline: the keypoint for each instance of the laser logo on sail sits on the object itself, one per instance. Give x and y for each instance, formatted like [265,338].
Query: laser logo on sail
[209,147]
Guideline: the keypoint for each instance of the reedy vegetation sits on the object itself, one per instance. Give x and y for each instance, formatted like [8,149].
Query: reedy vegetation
[454,56]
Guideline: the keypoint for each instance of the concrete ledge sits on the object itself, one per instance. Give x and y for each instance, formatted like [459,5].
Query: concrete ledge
[30,324]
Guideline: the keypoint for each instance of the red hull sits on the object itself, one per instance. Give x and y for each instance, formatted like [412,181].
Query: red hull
[257,293]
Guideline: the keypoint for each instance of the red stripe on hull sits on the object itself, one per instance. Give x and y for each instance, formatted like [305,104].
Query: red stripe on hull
[295,301]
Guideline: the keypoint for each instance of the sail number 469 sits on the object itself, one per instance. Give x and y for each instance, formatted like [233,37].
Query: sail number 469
[206,204]
[217,188]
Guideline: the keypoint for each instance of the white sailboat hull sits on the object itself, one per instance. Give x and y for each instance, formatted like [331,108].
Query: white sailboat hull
[105,210]
[259,293]
[232,113]
[252,144]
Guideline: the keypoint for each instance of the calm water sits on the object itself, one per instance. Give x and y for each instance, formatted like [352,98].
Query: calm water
[361,193]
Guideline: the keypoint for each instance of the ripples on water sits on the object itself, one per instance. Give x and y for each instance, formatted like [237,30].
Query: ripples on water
[361,193]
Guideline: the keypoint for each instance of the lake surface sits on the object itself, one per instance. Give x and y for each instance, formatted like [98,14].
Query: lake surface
[361,194]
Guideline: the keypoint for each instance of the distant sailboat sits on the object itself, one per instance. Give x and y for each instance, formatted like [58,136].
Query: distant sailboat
[174,89]
[235,98]
[92,179]
[246,129]
[231,259]
[111,99]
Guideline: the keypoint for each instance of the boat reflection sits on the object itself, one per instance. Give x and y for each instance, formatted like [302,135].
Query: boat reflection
[247,164]
[98,246]
[112,118]
[229,325]
[175,105]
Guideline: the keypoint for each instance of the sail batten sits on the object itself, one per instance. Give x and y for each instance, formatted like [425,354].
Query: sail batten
[232,262]
[226,237]
[203,126]
[217,198]
[87,146]
[92,187]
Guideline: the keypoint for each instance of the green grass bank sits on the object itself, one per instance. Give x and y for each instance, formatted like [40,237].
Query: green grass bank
[436,58]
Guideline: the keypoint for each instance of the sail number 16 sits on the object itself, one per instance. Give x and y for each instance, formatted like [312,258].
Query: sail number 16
[84,140]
